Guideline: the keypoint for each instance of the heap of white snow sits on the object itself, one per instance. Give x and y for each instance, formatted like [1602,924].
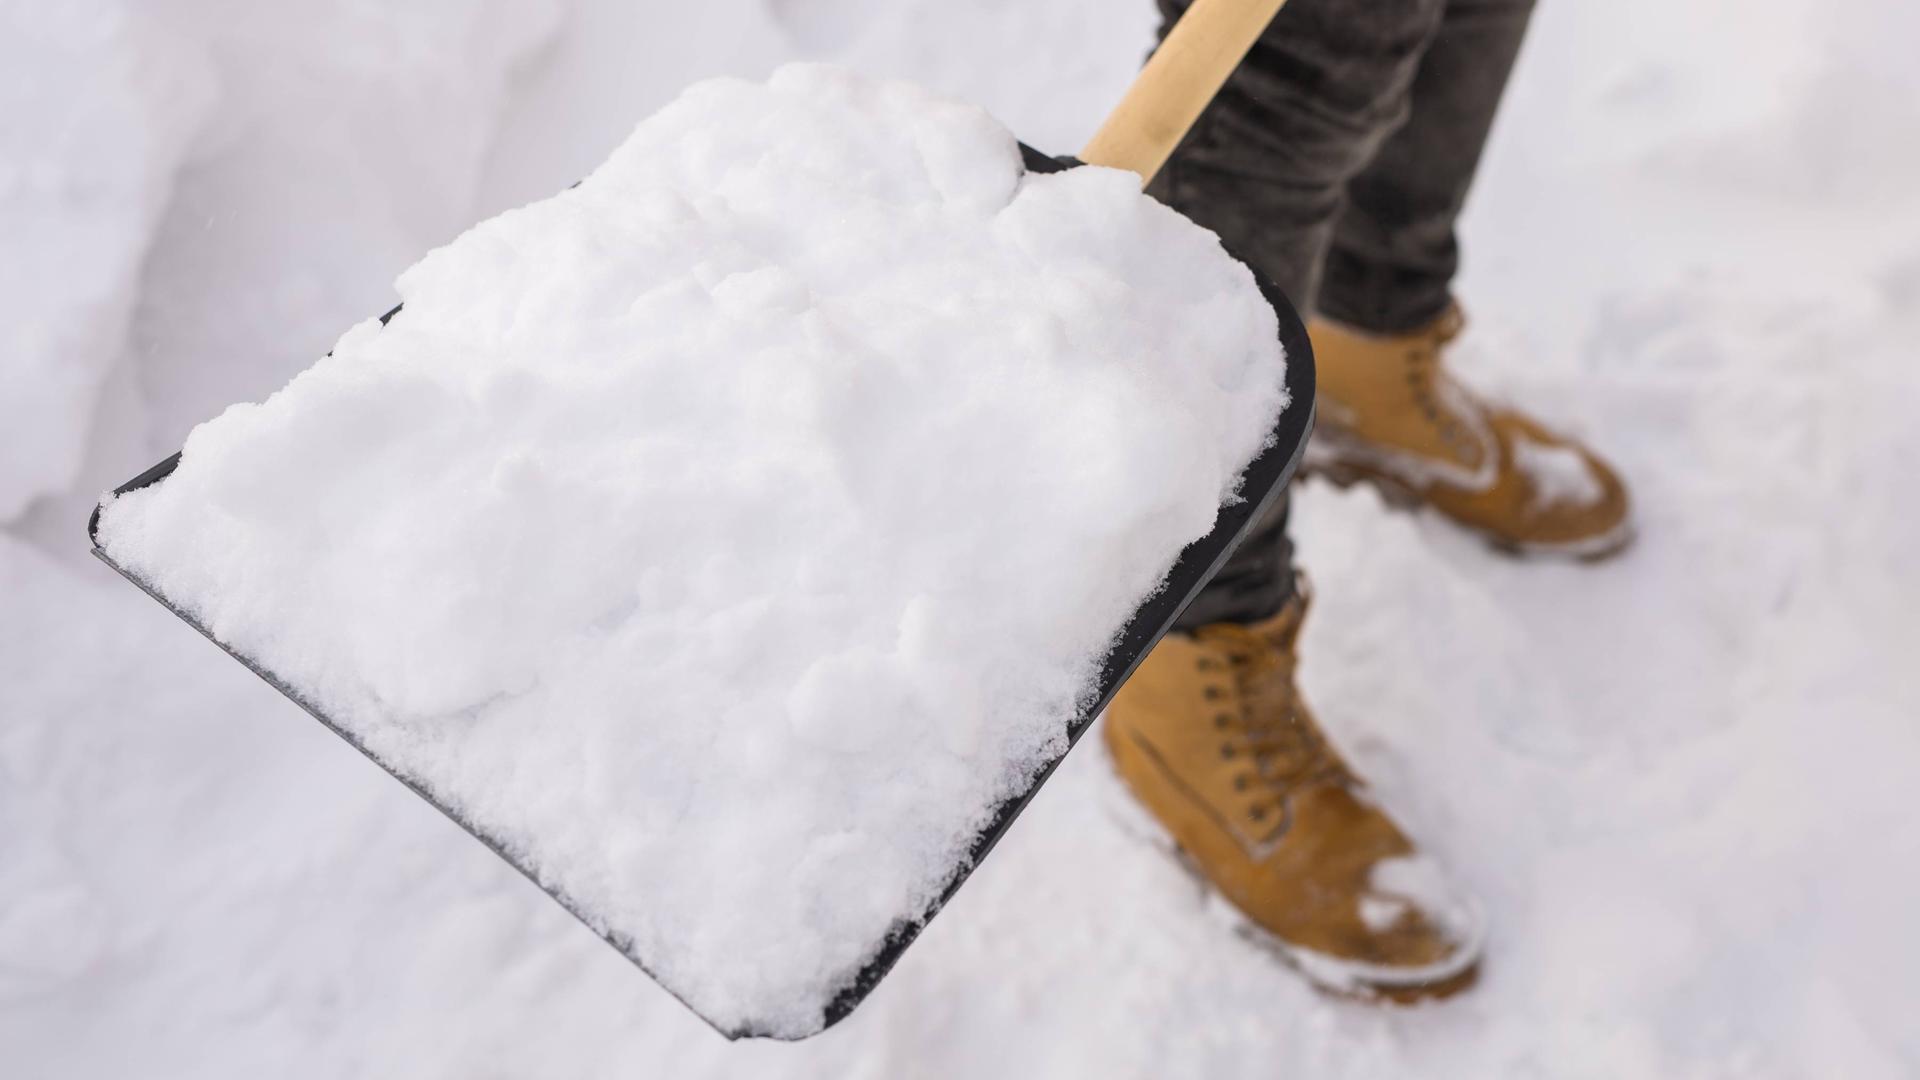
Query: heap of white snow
[86,167]
[728,535]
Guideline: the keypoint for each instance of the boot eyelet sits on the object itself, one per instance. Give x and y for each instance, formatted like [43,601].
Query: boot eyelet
[1226,751]
[1214,693]
[1223,720]
[1242,782]
[1257,812]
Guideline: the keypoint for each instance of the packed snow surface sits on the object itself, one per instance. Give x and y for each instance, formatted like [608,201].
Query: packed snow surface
[727,536]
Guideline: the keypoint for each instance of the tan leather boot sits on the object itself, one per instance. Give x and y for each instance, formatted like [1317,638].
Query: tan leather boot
[1392,415]
[1212,737]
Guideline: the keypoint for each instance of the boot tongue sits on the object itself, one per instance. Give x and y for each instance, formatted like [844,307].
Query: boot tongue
[1296,750]
[1282,631]
[1448,325]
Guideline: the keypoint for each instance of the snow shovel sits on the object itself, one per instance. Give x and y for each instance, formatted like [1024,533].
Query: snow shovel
[1170,93]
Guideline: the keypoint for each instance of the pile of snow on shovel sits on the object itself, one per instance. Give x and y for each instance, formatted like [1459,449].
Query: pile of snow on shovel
[728,535]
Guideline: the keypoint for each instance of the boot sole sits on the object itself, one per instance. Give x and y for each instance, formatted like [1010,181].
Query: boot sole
[1399,495]
[1330,975]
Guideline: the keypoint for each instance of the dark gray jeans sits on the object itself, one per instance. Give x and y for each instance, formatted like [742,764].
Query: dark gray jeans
[1336,161]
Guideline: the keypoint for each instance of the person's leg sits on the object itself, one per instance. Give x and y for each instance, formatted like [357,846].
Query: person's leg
[1267,166]
[1268,163]
[1392,412]
[1394,254]
[1211,733]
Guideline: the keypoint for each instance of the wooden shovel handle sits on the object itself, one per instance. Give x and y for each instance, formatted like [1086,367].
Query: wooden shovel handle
[1180,78]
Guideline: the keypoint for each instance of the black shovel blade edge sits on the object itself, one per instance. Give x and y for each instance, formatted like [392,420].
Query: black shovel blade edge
[1261,485]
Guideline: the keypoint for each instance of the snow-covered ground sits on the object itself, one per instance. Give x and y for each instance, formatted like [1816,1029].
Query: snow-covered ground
[1681,781]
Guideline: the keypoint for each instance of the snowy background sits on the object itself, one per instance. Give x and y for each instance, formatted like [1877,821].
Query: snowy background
[1683,781]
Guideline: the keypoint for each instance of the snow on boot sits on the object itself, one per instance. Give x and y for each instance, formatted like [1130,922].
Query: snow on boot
[1211,735]
[1391,414]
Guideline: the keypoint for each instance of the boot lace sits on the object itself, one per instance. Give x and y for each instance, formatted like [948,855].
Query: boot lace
[1429,384]
[1267,726]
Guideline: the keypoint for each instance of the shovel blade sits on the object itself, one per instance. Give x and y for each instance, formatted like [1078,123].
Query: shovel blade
[1262,484]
